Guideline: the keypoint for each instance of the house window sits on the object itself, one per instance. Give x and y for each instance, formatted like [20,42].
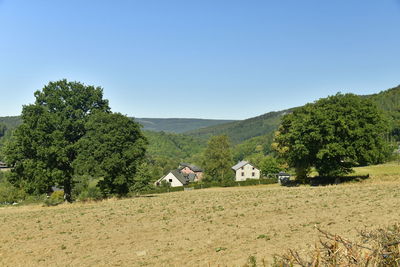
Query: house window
[253,168]
[242,168]
[170,180]
[242,173]
[253,174]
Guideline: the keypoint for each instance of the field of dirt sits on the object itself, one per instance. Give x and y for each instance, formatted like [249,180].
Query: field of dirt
[209,227]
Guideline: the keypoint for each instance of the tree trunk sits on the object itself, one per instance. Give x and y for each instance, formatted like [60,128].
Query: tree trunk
[301,174]
[67,191]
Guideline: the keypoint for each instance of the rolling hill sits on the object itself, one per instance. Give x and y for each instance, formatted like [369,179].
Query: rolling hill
[173,125]
[240,131]
[177,125]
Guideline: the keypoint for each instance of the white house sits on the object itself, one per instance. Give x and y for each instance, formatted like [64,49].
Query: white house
[245,170]
[176,178]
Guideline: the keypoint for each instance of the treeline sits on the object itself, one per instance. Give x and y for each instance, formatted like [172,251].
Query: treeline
[69,138]
[249,137]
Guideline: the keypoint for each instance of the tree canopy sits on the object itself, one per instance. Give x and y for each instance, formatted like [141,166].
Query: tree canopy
[218,160]
[43,149]
[333,135]
[112,148]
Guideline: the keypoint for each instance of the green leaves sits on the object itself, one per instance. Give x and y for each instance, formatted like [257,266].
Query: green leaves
[70,128]
[217,160]
[333,135]
[113,148]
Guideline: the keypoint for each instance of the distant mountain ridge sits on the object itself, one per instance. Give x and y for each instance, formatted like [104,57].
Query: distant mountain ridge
[169,125]
[177,125]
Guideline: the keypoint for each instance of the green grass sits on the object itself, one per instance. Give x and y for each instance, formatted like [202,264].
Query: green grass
[391,168]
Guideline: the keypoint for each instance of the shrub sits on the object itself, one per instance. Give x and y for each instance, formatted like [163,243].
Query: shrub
[55,198]
[92,192]
[10,194]
[379,247]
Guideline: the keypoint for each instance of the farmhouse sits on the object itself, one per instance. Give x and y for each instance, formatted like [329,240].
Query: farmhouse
[245,170]
[186,168]
[176,178]
[3,165]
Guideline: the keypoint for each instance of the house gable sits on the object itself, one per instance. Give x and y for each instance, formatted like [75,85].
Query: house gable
[245,170]
[175,178]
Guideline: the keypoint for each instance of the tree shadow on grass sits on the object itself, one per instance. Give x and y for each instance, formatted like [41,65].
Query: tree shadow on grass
[321,181]
[145,196]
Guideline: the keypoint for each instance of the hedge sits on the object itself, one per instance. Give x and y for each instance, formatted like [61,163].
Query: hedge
[201,185]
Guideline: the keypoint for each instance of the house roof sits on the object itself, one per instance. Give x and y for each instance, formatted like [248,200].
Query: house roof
[183,178]
[190,166]
[191,177]
[240,165]
[179,176]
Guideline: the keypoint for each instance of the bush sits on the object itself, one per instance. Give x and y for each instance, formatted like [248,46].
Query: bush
[92,192]
[10,194]
[379,247]
[55,199]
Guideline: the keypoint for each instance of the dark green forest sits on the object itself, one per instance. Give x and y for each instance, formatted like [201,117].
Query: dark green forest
[241,131]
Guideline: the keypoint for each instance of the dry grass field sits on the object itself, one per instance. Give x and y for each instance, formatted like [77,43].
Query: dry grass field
[210,227]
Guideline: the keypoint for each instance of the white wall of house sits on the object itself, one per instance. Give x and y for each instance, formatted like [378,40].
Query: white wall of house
[248,171]
[171,179]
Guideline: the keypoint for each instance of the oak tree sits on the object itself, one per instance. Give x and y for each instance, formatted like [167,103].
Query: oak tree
[44,147]
[333,135]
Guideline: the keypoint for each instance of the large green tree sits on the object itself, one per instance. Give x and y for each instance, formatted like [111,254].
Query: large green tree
[333,135]
[113,148]
[44,147]
[217,160]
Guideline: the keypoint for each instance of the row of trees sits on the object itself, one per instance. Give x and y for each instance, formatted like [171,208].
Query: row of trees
[70,131]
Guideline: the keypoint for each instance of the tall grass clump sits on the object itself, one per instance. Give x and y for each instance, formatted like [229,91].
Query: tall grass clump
[380,247]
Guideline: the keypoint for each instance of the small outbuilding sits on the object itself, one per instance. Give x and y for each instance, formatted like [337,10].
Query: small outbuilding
[283,178]
[245,170]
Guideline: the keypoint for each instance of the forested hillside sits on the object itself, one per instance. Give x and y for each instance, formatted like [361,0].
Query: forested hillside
[389,102]
[177,125]
[7,125]
[10,122]
[169,145]
[240,131]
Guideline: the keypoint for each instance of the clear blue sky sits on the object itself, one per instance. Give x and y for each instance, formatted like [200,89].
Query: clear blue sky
[199,59]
